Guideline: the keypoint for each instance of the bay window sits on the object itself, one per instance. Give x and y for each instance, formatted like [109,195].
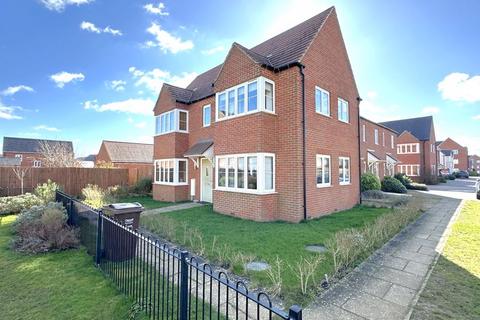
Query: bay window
[175,120]
[170,171]
[344,170]
[249,97]
[249,173]
[323,170]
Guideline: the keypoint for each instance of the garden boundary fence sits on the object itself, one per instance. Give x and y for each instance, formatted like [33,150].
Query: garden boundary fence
[166,282]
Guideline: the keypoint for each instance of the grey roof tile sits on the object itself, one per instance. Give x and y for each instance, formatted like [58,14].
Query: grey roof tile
[199,148]
[129,151]
[20,145]
[419,127]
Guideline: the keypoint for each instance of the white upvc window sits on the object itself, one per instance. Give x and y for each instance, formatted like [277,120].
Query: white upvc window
[392,142]
[383,138]
[364,133]
[343,113]
[37,163]
[248,173]
[376,136]
[455,151]
[412,170]
[19,156]
[323,171]
[207,115]
[175,120]
[322,101]
[171,171]
[408,148]
[344,170]
[253,96]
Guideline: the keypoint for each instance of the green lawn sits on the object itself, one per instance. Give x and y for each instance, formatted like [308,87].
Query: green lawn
[214,236]
[62,285]
[146,201]
[453,290]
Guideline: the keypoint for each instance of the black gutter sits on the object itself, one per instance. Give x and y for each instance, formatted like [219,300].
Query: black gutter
[304,143]
[359,151]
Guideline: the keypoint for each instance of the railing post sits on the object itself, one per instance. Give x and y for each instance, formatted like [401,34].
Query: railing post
[98,252]
[295,313]
[183,286]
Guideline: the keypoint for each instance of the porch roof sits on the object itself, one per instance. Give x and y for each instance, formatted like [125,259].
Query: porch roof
[199,148]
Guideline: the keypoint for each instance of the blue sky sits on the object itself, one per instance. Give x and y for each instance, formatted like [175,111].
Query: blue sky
[87,70]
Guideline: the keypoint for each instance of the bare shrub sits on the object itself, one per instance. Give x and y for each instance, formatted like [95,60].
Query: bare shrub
[57,155]
[274,274]
[242,259]
[305,271]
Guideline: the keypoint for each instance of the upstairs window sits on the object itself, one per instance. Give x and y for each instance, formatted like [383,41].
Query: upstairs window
[37,163]
[207,115]
[343,110]
[254,96]
[175,120]
[392,141]
[407,148]
[322,101]
[364,133]
[376,136]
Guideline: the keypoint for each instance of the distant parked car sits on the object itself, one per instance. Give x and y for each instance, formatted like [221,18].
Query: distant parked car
[462,174]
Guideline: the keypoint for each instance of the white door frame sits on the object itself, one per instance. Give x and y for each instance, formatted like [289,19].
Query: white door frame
[201,177]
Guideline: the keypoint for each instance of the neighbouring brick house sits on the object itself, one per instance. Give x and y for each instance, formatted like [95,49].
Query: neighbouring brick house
[416,150]
[378,148]
[30,150]
[474,163]
[269,134]
[452,156]
[136,157]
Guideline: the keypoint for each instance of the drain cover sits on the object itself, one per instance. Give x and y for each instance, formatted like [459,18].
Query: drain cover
[257,266]
[316,248]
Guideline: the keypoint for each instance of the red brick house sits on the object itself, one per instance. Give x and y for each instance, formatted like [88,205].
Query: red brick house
[416,150]
[474,163]
[452,156]
[378,148]
[269,134]
[29,151]
[136,157]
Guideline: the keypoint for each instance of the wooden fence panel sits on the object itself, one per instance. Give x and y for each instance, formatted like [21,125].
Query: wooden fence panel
[72,180]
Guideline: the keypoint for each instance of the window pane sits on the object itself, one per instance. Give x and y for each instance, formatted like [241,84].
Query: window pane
[241,173]
[268,96]
[164,123]
[157,171]
[318,100]
[268,173]
[341,170]
[182,171]
[325,103]
[252,172]
[221,105]
[347,170]
[252,96]
[319,170]
[241,99]
[231,172]
[326,169]
[158,125]
[182,125]
[171,170]
[222,170]
[206,116]
[162,172]
[231,102]
[172,121]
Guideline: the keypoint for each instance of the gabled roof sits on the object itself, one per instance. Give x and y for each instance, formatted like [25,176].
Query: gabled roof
[279,52]
[90,157]
[419,127]
[119,151]
[21,145]
[378,124]
[10,161]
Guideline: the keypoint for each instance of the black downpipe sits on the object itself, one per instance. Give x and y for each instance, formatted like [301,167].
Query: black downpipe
[304,128]
[359,152]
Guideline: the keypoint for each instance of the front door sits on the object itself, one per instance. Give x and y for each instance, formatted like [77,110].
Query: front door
[206,180]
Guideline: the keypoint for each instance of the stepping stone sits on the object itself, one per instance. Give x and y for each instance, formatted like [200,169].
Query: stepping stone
[316,248]
[257,266]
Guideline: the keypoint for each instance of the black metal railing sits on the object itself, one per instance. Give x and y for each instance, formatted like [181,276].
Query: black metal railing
[166,282]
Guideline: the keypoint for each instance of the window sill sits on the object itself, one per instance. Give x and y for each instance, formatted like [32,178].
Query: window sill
[172,184]
[324,115]
[176,131]
[248,191]
[321,186]
[245,114]
[346,122]
[345,183]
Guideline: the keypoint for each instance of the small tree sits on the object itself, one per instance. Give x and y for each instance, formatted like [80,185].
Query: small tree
[20,173]
[56,154]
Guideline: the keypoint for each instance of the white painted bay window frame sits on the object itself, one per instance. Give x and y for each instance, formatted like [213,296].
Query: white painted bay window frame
[159,176]
[176,118]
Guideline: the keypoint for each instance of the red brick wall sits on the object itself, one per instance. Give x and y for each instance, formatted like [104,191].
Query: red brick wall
[27,157]
[474,162]
[415,158]
[102,155]
[170,193]
[381,149]
[462,156]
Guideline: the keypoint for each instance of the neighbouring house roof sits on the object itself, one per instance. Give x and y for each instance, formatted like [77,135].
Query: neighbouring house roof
[199,148]
[281,51]
[438,143]
[378,124]
[119,151]
[27,145]
[91,157]
[419,127]
[10,162]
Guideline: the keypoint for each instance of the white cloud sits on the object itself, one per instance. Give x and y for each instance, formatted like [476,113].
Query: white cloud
[372,109]
[59,5]
[12,90]
[62,78]
[156,9]
[166,41]
[136,106]
[154,79]
[212,51]
[460,87]
[8,112]
[117,85]
[477,117]
[430,110]
[46,128]
[89,26]
[140,125]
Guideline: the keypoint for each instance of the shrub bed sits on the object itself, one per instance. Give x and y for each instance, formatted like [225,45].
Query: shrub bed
[97,197]
[390,184]
[418,186]
[442,179]
[16,204]
[370,181]
[403,178]
[451,177]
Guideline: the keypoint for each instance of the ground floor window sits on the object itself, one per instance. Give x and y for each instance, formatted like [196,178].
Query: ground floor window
[390,167]
[171,171]
[344,170]
[412,170]
[253,172]
[37,163]
[323,170]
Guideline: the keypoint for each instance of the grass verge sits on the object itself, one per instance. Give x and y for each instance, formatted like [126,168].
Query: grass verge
[60,285]
[453,289]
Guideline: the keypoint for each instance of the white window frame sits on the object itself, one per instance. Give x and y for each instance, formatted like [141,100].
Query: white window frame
[260,99]
[324,184]
[408,169]
[383,138]
[376,136]
[392,141]
[176,127]
[37,163]
[175,172]
[342,179]
[318,108]
[364,133]
[260,173]
[407,148]
[340,110]
[20,156]
[209,106]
